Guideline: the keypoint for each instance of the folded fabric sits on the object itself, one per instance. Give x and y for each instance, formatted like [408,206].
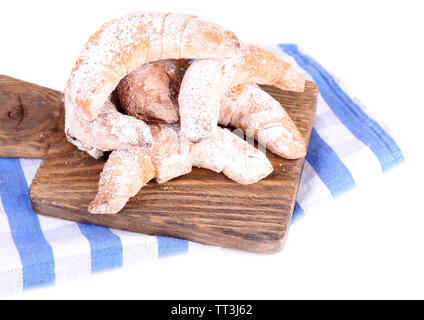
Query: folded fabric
[347,148]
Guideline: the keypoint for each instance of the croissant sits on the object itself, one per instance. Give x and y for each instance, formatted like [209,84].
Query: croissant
[123,44]
[151,90]
[127,171]
[245,106]
[259,115]
[205,82]
[105,132]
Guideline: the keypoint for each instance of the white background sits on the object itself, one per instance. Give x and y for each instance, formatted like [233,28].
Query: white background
[366,244]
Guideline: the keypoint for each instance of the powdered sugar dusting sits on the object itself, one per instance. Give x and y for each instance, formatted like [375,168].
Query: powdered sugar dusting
[173,31]
[106,51]
[119,47]
[257,113]
[123,175]
[111,130]
[200,95]
[225,152]
[206,81]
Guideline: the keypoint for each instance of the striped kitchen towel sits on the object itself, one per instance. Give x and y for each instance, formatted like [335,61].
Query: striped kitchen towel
[347,148]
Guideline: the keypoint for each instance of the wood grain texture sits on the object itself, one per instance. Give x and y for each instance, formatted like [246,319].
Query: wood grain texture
[202,206]
[31,118]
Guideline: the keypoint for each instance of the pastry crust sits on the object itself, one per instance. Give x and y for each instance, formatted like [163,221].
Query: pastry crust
[127,171]
[207,80]
[259,115]
[118,48]
[111,130]
[151,90]
[123,44]
[225,152]
[245,106]
[144,56]
[123,175]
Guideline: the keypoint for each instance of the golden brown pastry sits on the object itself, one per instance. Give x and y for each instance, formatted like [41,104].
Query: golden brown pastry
[259,115]
[206,81]
[245,106]
[151,90]
[127,171]
[122,45]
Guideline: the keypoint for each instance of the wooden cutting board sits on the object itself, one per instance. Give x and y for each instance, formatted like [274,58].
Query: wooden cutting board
[202,206]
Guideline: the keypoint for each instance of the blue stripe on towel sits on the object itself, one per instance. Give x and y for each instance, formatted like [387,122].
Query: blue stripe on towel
[34,251]
[298,212]
[350,114]
[328,166]
[170,246]
[106,247]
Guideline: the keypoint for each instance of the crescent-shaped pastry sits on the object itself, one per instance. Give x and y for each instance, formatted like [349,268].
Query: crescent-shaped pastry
[206,81]
[150,91]
[122,45]
[111,130]
[259,115]
[127,171]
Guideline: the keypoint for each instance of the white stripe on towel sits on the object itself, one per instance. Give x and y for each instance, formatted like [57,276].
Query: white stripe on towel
[136,247]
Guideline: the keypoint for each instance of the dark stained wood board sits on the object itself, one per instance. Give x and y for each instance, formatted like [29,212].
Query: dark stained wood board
[202,206]
[31,118]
